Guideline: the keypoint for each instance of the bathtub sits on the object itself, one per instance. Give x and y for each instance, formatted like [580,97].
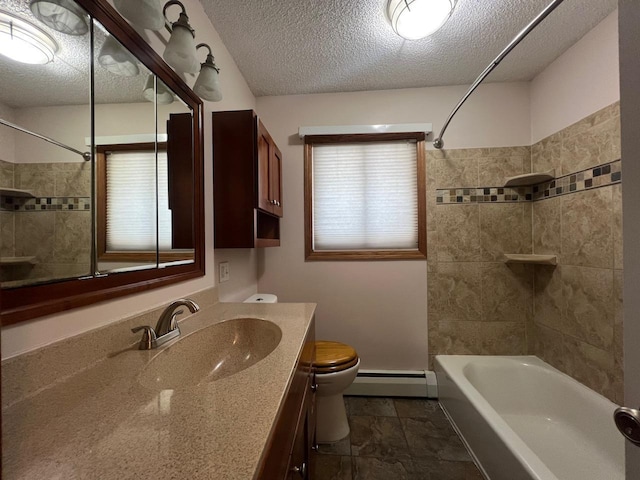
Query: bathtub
[522,419]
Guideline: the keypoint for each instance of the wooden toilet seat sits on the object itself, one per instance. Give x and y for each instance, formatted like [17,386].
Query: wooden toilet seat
[334,357]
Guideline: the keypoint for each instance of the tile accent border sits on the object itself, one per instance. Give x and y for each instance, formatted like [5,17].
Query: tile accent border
[600,176]
[13,204]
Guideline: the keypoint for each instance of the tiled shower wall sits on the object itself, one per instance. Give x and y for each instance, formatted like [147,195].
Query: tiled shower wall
[54,227]
[569,315]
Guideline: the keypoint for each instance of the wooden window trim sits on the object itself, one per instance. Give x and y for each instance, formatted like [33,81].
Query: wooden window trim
[418,254]
[146,256]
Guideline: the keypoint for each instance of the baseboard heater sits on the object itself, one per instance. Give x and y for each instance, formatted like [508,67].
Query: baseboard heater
[394,383]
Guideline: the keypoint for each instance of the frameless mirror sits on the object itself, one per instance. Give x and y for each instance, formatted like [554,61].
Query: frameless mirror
[114,203]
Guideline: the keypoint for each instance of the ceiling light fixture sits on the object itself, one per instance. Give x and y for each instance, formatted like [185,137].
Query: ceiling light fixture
[145,13]
[65,16]
[117,59]
[207,84]
[24,42]
[181,49]
[415,19]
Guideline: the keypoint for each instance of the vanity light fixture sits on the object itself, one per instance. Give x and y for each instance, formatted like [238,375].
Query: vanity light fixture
[65,16]
[415,19]
[24,42]
[164,96]
[143,13]
[116,59]
[180,52]
[207,84]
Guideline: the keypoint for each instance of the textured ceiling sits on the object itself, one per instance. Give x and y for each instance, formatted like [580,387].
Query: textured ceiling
[311,46]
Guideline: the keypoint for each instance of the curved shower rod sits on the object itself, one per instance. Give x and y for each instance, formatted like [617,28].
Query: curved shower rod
[438,142]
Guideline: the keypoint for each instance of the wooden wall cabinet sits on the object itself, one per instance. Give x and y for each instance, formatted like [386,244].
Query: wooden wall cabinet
[247,182]
[288,454]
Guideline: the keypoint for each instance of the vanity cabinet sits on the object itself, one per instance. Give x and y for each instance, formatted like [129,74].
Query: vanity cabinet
[247,177]
[288,454]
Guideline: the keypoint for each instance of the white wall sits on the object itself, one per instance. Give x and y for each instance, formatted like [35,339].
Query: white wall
[30,335]
[379,307]
[580,82]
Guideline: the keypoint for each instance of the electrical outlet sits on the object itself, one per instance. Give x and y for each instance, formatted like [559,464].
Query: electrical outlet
[223,271]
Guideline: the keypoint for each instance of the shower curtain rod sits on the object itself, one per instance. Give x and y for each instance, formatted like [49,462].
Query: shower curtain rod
[85,155]
[438,142]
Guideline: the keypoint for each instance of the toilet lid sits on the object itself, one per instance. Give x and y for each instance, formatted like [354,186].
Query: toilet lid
[334,356]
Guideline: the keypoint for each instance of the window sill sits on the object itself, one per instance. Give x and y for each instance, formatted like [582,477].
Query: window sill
[366,255]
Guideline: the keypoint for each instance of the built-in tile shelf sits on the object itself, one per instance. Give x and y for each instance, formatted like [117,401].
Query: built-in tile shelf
[16,193]
[17,260]
[530,179]
[531,259]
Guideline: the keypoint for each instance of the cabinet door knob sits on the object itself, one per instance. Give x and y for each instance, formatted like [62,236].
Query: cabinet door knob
[314,387]
[301,470]
[277,203]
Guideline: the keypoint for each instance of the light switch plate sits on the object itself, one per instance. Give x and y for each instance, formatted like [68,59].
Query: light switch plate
[223,272]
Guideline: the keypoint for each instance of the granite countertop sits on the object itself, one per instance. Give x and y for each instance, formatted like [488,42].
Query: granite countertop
[101,423]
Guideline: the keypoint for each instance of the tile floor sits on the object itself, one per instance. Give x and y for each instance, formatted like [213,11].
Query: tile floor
[396,439]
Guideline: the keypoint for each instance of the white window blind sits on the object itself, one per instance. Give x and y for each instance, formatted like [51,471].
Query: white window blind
[131,201]
[365,196]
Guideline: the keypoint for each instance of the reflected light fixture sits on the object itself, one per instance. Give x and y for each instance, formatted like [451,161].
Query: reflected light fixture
[207,84]
[24,42]
[415,19]
[143,13]
[65,16]
[164,95]
[181,49]
[117,59]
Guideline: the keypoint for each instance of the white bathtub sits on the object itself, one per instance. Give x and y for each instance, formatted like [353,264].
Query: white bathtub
[522,419]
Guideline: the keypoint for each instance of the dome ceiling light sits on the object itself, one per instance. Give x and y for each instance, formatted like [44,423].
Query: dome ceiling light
[24,42]
[416,19]
[62,15]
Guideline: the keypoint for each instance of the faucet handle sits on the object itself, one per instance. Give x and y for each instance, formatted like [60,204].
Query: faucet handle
[148,340]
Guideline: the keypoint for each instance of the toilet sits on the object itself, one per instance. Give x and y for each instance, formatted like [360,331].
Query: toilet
[336,368]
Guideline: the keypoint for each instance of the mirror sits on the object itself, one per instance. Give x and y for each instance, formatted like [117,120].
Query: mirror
[127,215]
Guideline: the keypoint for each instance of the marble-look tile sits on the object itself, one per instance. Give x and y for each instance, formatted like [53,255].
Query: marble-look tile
[456,338]
[616,141]
[341,447]
[590,365]
[333,467]
[431,210]
[454,291]
[432,246]
[377,437]
[434,438]
[617,226]
[618,337]
[416,407]
[507,292]
[457,153]
[432,469]
[36,177]
[503,338]
[72,237]
[34,231]
[368,468]
[6,174]
[458,233]
[548,344]
[586,228]
[493,171]
[72,179]
[545,155]
[7,234]
[547,296]
[457,172]
[367,406]
[504,228]
[586,149]
[588,300]
[547,226]
[588,123]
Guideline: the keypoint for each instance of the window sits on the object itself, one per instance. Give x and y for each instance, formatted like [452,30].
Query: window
[365,197]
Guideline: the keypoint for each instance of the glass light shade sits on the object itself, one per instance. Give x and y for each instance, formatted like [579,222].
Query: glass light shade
[164,95]
[181,50]
[143,13]
[415,19]
[116,59]
[207,85]
[24,42]
[65,16]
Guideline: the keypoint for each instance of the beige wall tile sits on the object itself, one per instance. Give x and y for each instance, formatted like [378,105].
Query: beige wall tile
[457,172]
[72,179]
[617,226]
[507,293]
[586,228]
[457,338]
[72,242]
[590,365]
[547,298]
[458,233]
[37,177]
[618,336]
[547,226]
[34,231]
[7,231]
[493,171]
[503,338]
[548,344]
[586,149]
[454,292]
[6,174]
[547,155]
[504,228]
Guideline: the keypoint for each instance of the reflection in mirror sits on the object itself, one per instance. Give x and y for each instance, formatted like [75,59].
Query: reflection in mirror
[45,206]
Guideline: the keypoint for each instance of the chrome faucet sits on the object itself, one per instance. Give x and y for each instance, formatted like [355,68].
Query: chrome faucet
[167,326]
